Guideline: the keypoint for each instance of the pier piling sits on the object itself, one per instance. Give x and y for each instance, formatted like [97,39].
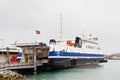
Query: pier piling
[35,65]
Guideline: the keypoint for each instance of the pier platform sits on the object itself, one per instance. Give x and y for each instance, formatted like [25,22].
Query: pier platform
[16,65]
[32,56]
[22,65]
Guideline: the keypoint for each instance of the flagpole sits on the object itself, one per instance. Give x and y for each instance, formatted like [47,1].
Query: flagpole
[37,33]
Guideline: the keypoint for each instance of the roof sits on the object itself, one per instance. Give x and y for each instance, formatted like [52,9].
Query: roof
[30,44]
[10,50]
[26,44]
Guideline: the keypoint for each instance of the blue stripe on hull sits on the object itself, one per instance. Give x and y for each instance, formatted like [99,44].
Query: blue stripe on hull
[72,54]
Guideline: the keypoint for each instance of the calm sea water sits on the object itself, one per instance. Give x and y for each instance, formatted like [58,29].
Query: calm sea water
[106,71]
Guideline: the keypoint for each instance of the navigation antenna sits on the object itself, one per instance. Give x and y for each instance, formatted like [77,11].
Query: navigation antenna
[61,26]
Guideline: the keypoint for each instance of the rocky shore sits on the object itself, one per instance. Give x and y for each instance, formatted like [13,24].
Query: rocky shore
[10,75]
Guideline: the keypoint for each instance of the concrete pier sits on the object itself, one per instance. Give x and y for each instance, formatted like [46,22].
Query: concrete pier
[21,65]
[14,65]
[33,55]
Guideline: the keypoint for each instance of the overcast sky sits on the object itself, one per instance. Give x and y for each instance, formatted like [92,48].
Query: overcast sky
[20,18]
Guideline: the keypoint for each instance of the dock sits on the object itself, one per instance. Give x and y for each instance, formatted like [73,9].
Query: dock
[33,55]
[11,66]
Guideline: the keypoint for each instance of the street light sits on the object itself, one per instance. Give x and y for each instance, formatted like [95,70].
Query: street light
[7,57]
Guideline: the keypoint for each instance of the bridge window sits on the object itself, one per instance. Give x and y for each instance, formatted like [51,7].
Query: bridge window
[52,41]
[90,47]
[98,48]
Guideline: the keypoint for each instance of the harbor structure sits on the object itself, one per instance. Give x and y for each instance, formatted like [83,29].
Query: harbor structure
[33,55]
[6,54]
[58,54]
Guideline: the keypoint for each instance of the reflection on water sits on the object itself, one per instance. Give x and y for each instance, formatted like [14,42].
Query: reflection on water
[105,71]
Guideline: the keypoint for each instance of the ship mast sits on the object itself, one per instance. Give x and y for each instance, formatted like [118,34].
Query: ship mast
[61,26]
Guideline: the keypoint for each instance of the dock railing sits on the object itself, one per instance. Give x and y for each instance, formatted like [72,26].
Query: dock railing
[22,64]
[7,65]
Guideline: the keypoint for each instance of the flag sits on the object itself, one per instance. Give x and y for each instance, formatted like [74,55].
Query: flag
[37,32]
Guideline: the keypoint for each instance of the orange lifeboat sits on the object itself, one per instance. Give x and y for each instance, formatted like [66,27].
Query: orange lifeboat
[69,42]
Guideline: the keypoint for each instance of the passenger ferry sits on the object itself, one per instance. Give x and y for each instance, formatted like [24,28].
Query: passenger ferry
[76,52]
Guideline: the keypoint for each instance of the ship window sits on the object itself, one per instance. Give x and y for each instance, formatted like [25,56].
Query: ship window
[98,48]
[90,47]
[78,42]
[52,41]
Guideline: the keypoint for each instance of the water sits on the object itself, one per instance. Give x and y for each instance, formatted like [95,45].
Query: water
[106,71]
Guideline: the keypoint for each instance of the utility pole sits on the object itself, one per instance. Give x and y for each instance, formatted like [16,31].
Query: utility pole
[2,46]
[7,55]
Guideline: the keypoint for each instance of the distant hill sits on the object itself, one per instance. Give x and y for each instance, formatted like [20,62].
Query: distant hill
[115,56]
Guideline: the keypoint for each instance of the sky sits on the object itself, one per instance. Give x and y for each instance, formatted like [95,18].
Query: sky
[20,18]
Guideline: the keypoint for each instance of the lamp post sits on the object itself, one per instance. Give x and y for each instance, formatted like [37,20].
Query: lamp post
[7,55]
[2,46]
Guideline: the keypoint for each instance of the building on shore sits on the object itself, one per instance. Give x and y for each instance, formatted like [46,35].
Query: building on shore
[30,56]
[115,56]
[34,52]
[6,54]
